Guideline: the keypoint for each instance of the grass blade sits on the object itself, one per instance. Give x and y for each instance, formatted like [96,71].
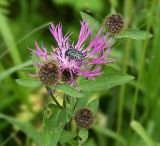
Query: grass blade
[8,72]
[142,133]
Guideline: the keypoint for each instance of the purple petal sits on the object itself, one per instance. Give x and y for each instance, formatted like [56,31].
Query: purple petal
[95,41]
[57,33]
[37,64]
[84,34]
[101,45]
[40,52]
[101,60]
[92,73]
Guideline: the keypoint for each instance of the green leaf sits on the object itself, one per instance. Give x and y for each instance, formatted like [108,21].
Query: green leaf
[82,102]
[93,23]
[83,134]
[69,90]
[29,82]
[109,79]
[25,127]
[93,105]
[115,66]
[142,133]
[53,126]
[67,136]
[134,34]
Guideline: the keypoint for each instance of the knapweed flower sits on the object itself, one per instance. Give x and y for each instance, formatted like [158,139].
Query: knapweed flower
[84,118]
[113,23]
[76,59]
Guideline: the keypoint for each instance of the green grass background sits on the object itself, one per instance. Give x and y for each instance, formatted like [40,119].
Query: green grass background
[23,21]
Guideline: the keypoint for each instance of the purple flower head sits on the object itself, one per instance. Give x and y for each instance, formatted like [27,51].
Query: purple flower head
[78,59]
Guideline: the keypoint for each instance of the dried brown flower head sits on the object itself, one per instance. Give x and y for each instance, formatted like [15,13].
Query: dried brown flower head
[84,118]
[49,73]
[113,23]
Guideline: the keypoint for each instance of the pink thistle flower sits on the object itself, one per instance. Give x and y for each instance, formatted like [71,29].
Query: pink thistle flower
[76,59]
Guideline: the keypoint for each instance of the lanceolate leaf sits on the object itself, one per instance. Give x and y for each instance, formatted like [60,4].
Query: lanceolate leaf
[134,34]
[93,105]
[29,82]
[53,126]
[67,136]
[109,79]
[81,102]
[69,90]
[106,83]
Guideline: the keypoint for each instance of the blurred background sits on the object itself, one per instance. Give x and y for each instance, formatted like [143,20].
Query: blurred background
[23,21]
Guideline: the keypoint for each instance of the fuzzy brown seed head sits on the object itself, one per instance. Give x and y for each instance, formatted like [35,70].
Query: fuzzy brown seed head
[113,24]
[66,76]
[49,73]
[83,118]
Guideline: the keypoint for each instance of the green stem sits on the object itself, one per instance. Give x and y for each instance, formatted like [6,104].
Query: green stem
[75,104]
[52,96]
[127,17]
[122,93]
[141,68]
[9,42]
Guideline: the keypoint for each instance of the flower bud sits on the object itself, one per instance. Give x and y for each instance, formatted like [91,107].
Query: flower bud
[84,118]
[49,73]
[113,23]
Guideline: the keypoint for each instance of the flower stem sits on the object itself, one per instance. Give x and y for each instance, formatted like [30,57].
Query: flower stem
[128,16]
[142,62]
[122,92]
[52,96]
